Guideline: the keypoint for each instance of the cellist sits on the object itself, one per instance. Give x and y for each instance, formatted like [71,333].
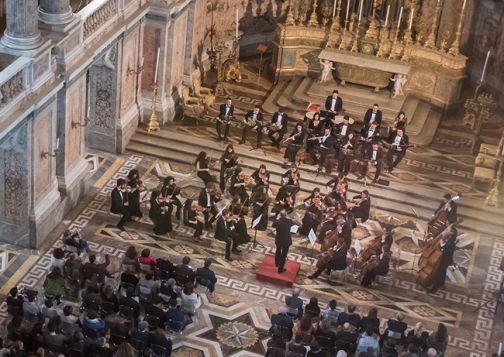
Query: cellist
[447,247]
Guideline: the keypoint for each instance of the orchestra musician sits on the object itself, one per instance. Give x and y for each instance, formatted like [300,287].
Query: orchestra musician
[337,187]
[238,212]
[135,185]
[202,165]
[207,199]
[346,154]
[334,103]
[343,128]
[373,115]
[253,120]
[170,191]
[225,232]
[447,246]
[278,126]
[294,143]
[327,144]
[375,158]
[375,247]
[315,129]
[399,143]
[192,217]
[314,213]
[159,213]
[377,265]
[361,206]
[283,239]
[226,114]
[368,136]
[229,160]
[334,259]
[449,206]
[260,202]
[120,204]
[284,200]
[239,181]
[399,123]
[261,177]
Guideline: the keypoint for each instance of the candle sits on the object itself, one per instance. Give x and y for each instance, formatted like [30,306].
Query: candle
[386,16]
[361,5]
[157,67]
[57,143]
[484,67]
[141,62]
[400,17]
[236,22]
[334,8]
[347,9]
[88,110]
[411,18]
[463,5]
[500,343]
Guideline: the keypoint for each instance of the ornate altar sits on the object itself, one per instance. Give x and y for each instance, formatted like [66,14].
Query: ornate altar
[365,36]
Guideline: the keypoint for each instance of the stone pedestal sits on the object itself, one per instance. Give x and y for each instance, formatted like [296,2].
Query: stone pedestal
[22,31]
[55,12]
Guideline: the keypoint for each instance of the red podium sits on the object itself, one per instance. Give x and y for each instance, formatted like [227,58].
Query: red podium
[269,272]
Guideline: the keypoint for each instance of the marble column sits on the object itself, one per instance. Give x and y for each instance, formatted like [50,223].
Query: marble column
[55,12]
[22,31]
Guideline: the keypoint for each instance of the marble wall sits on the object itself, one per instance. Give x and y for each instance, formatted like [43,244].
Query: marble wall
[130,60]
[75,105]
[45,133]
[177,52]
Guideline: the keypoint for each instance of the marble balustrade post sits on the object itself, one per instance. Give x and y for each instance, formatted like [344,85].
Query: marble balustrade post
[55,12]
[21,31]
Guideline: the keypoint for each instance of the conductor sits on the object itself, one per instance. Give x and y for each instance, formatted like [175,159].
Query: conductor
[283,239]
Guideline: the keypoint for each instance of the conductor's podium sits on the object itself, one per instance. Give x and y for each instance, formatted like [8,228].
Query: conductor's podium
[268,272]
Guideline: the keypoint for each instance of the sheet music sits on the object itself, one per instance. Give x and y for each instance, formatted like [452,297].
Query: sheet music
[312,237]
[257,221]
[357,246]
[294,228]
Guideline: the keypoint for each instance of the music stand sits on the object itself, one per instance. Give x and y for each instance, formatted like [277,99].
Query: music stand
[255,222]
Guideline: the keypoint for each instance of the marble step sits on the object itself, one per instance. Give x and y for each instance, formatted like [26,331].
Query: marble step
[397,197]
[409,107]
[429,129]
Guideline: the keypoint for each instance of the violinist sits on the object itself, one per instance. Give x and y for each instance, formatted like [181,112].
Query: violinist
[278,126]
[260,203]
[238,185]
[207,199]
[120,204]
[333,259]
[225,232]
[313,215]
[295,142]
[229,160]
[238,212]
[202,166]
[135,185]
[346,153]
[377,265]
[361,206]
[449,206]
[315,129]
[159,213]
[399,123]
[192,217]
[337,187]
[375,158]
[261,177]
[291,179]
[284,200]
[171,191]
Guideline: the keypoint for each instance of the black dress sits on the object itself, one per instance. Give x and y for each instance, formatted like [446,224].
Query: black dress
[134,198]
[311,220]
[202,174]
[228,162]
[237,189]
[261,207]
[160,216]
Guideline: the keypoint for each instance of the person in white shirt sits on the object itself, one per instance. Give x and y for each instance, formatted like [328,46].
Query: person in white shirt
[279,120]
[399,143]
[334,103]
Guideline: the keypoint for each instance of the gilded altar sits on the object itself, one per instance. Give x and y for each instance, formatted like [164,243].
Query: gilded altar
[373,45]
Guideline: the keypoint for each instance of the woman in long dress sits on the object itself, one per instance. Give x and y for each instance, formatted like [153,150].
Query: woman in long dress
[159,214]
[203,168]
[135,185]
[229,160]
[261,207]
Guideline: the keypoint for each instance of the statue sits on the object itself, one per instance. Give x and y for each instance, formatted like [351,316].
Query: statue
[193,107]
[327,67]
[399,83]
[204,93]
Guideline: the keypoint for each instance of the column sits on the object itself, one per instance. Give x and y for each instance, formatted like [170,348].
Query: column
[55,12]
[22,31]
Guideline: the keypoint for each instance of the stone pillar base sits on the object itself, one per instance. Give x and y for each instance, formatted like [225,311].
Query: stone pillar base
[22,43]
[56,19]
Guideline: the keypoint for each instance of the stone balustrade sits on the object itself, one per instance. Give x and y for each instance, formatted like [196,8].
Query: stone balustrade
[97,13]
[12,81]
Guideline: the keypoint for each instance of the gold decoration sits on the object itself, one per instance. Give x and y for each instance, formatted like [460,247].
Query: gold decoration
[455,47]
[366,76]
[313,22]
[153,122]
[372,31]
[356,36]
[335,30]
[290,16]
[383,44]
[431,40]
[396,49]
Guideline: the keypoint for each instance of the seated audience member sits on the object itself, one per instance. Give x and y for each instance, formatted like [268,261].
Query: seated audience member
[190,300]
[91,299]
[295,304]
[146,261]
[282,324]
[417,337]
[96,272]
[396,328]
[157,313]
[331,314]
[58,259]
[129,280]
[369,343]
[49,311]
[14,303]
[184,274]
[92,326]
[131,301]
[176,318]
[371,320]
[316,350]
[159,338]
[130,260]
[147,286]
[305,328]
[325,336]
[169,291]
[439,339]
[55,342]
[411,351]
[276,347]
[346,338]
[110,302]
[296,347]
[99,348]
[165,269]
[432,352]
[388,349]
[349,316]
[74,239]
[140,337]
[312,309]
[206,277]
[70,323]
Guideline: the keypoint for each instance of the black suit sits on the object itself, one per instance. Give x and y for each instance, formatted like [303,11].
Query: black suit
[377,162]
[398,150]
[120,206]
[280,131]
[369,115]
[451,210]
[224,233]
[338,105]
[283,241]
[224,117]
[206,277]
[259,123]
[367,137]
[209,206]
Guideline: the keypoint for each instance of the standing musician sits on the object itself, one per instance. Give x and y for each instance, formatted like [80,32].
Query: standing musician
[361,206]
[346,154]
[226,114]
[160,213]
[294,143]
[225,231]
[399,143]
[278,126]
[192,216]
[170,192]
[260,203]
[373,115]
[238,212]
[202,165]
[375,158]
[239,181]
[229,160]
[449,206]
[446,247]
[207,199]
[327,144]
[261,177]
[334,103]
[368,136]
[120,203]
[253,121]
[135,185]
[315,129]
[283,239]
[334,259]
[377,265]
[399,123]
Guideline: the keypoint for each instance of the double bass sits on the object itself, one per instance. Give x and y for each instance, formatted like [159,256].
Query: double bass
[431,252]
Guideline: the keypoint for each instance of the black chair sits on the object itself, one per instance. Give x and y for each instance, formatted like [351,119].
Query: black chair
[153,321]
[117,339]
[126,312]
[107,308]
[138,345]
[183,278]
[158,351]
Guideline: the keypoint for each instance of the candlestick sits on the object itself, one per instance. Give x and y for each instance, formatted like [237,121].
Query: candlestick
[334,8]
[236,23]
[157,67]
[361,5]
[411,18]
[500,343]
[485,67]
[347,9]
[57,143]
[464,5]
[386,16]
[88,110]
[141,62]
[400,17]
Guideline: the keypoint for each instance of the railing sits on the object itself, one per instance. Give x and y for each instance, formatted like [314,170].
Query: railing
[96,14]
[12,83]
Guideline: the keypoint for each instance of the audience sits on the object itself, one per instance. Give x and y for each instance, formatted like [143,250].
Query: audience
[206,277]
[295,304]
